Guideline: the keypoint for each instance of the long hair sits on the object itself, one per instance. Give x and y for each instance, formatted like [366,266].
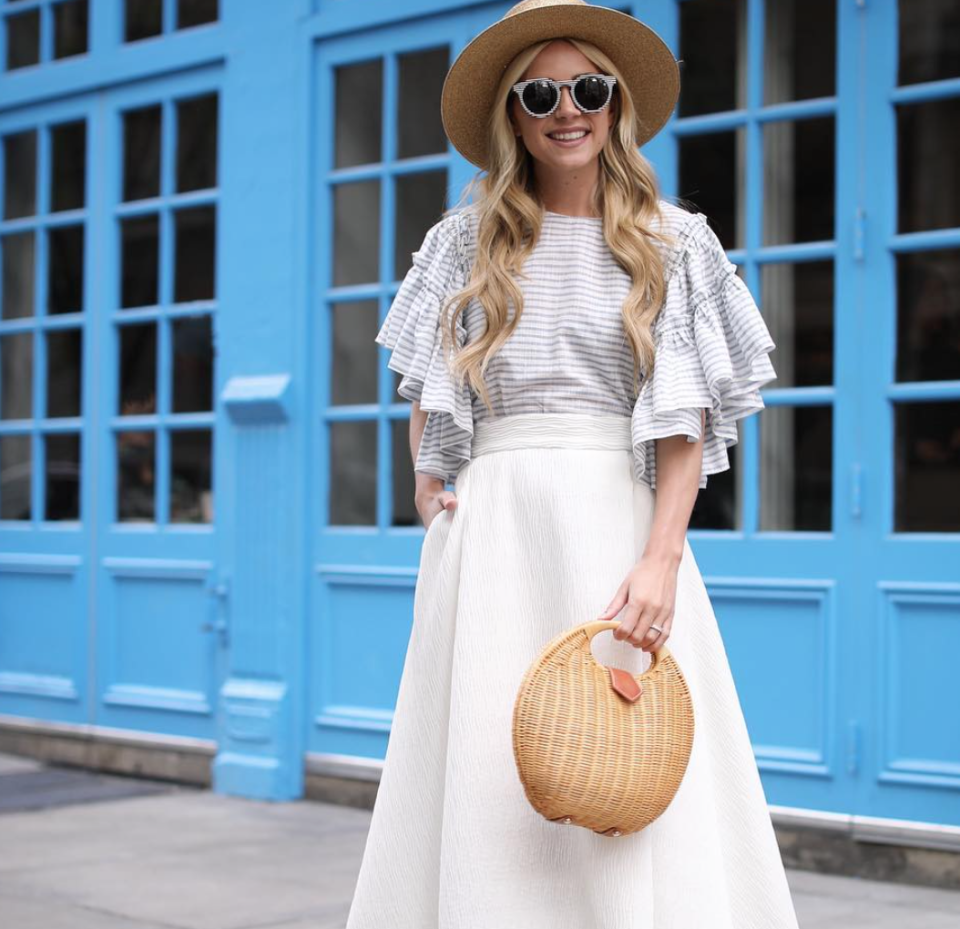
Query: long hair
[510,217]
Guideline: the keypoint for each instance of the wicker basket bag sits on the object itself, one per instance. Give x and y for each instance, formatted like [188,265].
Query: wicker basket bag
[597,746]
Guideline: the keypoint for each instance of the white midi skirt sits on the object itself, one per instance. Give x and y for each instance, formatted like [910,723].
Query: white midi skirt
[549,522]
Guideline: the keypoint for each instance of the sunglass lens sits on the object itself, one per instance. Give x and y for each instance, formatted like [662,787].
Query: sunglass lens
[591,93]
[539,97]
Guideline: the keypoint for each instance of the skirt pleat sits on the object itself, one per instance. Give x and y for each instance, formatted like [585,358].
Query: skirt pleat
[548,523]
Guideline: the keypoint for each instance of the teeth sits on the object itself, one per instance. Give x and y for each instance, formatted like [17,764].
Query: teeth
[567,135]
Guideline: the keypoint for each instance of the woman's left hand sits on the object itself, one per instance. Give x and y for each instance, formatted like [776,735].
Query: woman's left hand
[649,593]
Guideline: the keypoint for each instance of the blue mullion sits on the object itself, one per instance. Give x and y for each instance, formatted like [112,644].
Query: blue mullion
[928,90]
[41,313]
[169,17]
[46,34]
[935,240]
[166,283]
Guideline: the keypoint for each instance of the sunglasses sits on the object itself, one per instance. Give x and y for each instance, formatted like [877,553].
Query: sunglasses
[541,96]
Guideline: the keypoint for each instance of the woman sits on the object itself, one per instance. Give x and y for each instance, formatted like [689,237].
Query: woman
[577,352]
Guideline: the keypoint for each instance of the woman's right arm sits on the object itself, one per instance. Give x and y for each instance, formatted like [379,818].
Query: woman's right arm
[430,498]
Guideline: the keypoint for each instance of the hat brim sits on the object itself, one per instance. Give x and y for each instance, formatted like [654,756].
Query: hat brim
[645,62]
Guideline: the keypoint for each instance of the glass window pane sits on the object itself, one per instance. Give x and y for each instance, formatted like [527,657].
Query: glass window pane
[928,316]
[716,506]
[138,370]
[70,28]
[196,13]
[927,461]
[353,473]
[18,256]
[359,104]
[143,18]
[356,235]
[193,277]
[928,151]
[135,476]
[69,166]
[62,491]
[191,498]
[65,270]
[713,53]
[796,462]
[141,153]
[16,376]
[419,127]
[197,143]
[421,200]
[15,468]
[798,181]
[797,301]
[712,178]
[192,364]
[64,359]
[23,40]
[353,374]
[139,261]
[20,174]
[404,482]
[929,40]
[800,50]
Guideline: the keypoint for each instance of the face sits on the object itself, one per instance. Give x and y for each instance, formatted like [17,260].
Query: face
[562,61]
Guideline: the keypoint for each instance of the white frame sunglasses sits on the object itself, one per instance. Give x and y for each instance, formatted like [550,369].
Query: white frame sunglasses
[557,88]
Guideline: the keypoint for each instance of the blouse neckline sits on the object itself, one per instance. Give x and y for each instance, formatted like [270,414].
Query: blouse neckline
[567,216]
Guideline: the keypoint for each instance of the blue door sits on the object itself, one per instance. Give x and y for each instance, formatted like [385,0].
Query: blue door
[111,608]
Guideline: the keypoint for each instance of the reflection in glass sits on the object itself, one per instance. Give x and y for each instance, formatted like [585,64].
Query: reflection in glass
[69,166]
[713,52]
[421,200]
[196,13]
[139,257]
[711,168]
[15,469]
[192,364]
[138,370]
[64,360]
[797,303]
[359,104]
[353,374]
[142,19]
[141,153]
[353,473]
[796,464]
[20,174]
[23,39]
[135,476]
[928,151]
[191,499]
[928,315]
[800,50]
[356,233]
[18,274]
[65,270]
[70,28]
[716,506]
[419,128]
[197,143]
[404,482]
[798,181]
[929,40]
[926,465]
[16,376]
[62,491]
[195,232]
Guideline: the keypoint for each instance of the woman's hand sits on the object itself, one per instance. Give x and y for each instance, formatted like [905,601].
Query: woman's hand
[431,499]
[649,593]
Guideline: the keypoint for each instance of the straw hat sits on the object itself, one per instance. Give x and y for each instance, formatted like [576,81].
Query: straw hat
[646,64]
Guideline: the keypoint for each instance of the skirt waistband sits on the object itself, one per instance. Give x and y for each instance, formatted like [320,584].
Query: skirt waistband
[552,430]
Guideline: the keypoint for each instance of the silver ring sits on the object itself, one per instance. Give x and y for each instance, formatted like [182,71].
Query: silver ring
[655,626]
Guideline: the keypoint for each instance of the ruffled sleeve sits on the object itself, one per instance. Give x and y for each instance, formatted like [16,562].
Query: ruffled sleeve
[412,331]
[712,348]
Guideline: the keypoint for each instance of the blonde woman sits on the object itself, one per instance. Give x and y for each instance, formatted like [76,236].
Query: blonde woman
[577,351]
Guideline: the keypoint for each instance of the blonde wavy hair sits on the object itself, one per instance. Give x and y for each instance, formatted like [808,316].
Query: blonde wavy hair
[510,218]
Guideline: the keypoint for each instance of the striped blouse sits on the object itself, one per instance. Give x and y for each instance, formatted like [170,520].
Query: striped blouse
[569,352]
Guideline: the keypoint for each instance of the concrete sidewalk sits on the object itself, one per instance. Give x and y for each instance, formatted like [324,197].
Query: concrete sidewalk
[181,858]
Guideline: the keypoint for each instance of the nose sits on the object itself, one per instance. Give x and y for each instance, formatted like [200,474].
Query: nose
[566,104]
